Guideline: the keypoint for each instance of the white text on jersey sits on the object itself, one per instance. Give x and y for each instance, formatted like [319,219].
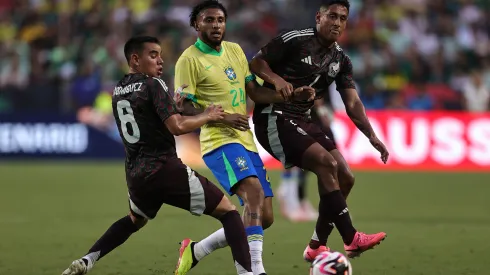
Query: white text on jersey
[135,87]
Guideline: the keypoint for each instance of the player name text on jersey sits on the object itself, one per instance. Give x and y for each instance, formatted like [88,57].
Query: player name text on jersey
[134,87]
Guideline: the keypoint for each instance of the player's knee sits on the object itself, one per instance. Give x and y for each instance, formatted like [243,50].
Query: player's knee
[329,163]
[251,192]
[325,163]
[138,221]
[223,207]
[349,179]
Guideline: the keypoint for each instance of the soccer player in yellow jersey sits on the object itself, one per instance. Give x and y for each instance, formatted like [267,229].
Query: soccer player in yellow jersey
[217,71]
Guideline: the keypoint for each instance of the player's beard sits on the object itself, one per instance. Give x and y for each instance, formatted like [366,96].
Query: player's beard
[208,40]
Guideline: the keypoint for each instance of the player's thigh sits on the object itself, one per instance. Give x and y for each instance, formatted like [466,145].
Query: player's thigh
[178,185]
[283,138]
[232,166]
[262,175]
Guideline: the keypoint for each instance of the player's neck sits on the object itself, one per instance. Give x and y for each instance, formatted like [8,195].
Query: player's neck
[325,43]
[217,48]
[133,71]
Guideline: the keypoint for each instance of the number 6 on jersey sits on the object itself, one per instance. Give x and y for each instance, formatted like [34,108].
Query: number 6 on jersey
[125,113]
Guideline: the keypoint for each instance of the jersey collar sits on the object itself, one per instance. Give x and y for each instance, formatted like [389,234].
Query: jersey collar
[203,47]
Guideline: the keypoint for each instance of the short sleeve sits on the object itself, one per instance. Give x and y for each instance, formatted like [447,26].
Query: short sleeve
[345,80]
[277,48]
[244,64]
[186,73]
[163,103]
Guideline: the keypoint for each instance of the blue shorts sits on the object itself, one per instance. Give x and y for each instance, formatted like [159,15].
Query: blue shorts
[231,163]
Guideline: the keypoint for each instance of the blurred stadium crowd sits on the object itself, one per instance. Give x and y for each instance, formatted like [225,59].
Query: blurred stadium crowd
[61,55]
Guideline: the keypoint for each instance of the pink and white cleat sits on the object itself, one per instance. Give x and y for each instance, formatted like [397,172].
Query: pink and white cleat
[363,242]
[310,254]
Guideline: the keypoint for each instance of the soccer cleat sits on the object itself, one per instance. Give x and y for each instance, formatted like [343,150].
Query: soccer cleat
[186,259]
[77,267]
[363,242]
[310,254]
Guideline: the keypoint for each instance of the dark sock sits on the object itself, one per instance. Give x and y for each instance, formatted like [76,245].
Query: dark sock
[324,225]
[336,207]
[237,239]
[322,237]
[302,185]
[116,235]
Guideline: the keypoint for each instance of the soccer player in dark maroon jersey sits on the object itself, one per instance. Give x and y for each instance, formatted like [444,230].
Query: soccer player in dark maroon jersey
[313,57]
[147,119]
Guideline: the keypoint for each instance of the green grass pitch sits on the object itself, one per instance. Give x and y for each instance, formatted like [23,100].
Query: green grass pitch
[437,223]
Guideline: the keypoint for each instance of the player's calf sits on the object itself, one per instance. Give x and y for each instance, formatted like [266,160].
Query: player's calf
[116,235]
[232,234]
[267,213]
[345,175]
[251,192]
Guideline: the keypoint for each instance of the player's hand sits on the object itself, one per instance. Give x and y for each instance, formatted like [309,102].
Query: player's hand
[381,148]
[285,88]
[214,112]
[305,93]
[179,98]
[237,121]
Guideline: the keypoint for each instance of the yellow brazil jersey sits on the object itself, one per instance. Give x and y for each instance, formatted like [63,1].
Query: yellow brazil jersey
[219,78]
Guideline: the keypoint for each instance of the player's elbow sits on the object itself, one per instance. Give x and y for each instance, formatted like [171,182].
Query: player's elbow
[177,130]
[175,126]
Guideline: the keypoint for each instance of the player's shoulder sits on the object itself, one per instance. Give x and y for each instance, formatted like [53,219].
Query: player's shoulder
[232,46]
[156,83]
[292,35]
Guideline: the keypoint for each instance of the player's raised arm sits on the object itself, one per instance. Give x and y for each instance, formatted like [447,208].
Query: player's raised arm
[168,111]
[355,109]
[260,94]
[270,54]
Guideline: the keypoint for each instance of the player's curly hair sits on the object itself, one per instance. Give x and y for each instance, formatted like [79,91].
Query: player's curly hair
[207,4]
[328,3]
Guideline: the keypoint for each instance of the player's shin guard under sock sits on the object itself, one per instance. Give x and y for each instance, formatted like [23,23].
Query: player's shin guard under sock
[336,210]
[237,239]
[212,242]
[255,235]
[116,235]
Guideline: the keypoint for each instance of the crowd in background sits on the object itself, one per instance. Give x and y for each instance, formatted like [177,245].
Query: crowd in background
[62,55]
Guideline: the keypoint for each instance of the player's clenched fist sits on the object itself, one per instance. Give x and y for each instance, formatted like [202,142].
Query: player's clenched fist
[305,93]
[285,88]
[215,112]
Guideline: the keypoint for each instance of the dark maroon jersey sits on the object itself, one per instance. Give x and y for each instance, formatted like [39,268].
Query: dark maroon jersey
[299,58]
[141,104]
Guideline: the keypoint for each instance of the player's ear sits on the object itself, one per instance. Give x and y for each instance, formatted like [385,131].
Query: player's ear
[318,16]
[135,58]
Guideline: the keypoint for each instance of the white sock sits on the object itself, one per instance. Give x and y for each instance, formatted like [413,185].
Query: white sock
[256,256]
[91,259]
[240,270]
[209,244]
[315,236]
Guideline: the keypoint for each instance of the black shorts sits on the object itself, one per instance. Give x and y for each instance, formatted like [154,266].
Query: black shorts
[286,139]
[327,130]
[174,184]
